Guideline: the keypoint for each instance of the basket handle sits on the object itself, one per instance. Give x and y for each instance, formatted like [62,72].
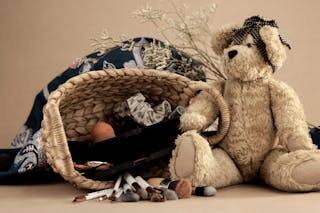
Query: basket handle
[224,120]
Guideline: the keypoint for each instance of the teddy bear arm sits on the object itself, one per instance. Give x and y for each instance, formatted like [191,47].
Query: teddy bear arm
[289,117]
[201,112]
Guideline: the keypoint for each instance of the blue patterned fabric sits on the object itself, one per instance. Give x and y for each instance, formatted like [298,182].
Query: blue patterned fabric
[315,135]
[28,140]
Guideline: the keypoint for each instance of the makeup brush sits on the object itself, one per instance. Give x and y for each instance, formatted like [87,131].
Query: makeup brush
[115,189]
[118,195]
[128,195]
[143,194]
[156,195]
[93,195]
[182,187]
[206,191]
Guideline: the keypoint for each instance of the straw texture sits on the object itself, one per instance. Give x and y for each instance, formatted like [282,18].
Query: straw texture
[73,109]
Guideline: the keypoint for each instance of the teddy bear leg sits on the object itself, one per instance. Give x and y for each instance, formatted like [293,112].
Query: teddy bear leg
[297,171]
[194,159]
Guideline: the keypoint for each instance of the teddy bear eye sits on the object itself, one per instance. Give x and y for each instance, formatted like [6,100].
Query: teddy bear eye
[249,45]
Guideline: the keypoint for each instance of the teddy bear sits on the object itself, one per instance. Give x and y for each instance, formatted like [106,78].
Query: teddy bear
[268,136]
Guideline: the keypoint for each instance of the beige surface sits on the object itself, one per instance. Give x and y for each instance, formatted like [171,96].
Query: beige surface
[236,199]
[40,38]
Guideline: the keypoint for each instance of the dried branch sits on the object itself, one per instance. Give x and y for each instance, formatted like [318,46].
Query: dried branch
[105,42]
[192,32]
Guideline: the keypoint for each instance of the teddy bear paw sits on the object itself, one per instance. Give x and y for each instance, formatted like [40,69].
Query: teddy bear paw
[185,157]
[294,145]
[307,172]
[193,121]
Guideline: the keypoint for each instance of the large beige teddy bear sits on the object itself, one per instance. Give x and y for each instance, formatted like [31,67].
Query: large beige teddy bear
[263,110]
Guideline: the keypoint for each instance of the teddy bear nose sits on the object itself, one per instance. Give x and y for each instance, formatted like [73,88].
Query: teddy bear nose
[232,53]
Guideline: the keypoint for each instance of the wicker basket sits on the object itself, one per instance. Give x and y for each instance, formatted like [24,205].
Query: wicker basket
[74,108]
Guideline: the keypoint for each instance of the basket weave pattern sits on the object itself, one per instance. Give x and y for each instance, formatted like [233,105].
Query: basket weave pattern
[74,108]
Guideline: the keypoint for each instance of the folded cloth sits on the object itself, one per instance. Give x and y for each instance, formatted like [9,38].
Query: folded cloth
[141,111]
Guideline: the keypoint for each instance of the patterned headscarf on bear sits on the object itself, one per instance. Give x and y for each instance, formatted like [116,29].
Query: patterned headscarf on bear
[252,26]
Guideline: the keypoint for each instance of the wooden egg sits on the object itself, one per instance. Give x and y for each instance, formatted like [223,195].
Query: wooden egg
[102,131]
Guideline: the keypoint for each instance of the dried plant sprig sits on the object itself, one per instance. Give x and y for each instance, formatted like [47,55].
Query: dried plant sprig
[157,56]
[148,14]
[105,42]
[185,67]
[192,32]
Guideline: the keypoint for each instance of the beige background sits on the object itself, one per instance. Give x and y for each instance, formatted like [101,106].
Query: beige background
[40,38]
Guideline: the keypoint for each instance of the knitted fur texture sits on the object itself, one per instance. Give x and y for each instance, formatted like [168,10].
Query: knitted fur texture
[263,110]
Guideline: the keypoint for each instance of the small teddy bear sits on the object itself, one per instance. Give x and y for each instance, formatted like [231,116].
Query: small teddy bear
[268,135]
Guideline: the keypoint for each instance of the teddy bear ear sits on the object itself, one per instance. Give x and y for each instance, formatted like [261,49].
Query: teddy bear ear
[222,38]
[274,46]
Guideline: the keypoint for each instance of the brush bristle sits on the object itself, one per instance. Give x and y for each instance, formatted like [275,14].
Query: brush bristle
[143,194]
[157,197]
[209,191]
[205,191]
[170,194]
[182,187]
[130,197]
[79,199]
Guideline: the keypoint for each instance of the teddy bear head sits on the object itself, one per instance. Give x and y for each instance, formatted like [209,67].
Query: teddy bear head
[252,51]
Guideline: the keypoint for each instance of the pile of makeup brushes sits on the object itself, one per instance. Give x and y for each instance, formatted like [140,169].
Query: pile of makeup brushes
[130,189]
